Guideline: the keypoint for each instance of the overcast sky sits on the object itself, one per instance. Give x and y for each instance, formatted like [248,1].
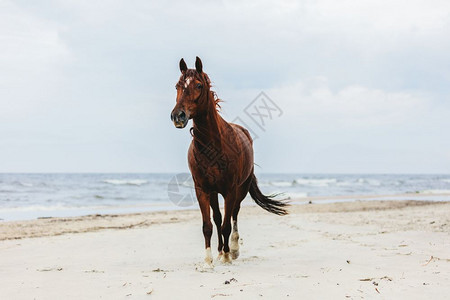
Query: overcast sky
[88,86]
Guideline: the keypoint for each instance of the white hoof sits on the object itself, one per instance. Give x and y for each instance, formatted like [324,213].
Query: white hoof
[208,264]
[226,258]
[234,254]
[219,257]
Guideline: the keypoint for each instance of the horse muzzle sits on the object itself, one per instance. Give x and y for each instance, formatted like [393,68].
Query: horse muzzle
[179,118]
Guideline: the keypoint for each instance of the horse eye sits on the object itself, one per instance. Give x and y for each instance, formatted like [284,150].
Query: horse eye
[199,85]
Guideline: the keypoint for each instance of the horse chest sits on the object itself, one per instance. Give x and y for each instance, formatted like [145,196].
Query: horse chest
[209,171]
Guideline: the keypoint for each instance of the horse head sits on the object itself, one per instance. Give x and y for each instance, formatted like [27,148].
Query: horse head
[193,89]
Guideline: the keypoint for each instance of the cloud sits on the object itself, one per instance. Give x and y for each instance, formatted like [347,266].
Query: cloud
[313,100]
[32,57]
[96,81]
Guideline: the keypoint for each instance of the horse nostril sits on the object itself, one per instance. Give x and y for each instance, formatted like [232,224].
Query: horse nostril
[182,115]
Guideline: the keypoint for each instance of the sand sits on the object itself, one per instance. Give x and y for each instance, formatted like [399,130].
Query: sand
[349,250]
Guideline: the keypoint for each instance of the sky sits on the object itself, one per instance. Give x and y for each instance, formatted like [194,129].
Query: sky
[362,86]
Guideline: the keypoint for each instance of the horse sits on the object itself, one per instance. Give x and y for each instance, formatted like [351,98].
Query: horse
[220,159]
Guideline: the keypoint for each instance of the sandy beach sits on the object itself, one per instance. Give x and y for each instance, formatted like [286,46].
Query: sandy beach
[349,250]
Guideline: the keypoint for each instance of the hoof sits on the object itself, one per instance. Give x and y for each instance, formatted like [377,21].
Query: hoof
[208,265]
[209,261]
[234,254]
[226,258]
[219,257]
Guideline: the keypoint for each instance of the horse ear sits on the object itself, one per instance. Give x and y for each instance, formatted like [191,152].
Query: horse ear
[183,66]
[198,65]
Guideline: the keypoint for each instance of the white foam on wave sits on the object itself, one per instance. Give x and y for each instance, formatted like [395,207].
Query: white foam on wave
[446,180]
[126,181]
[38,208]
[372,182]
[281,183]
[434,192]
[316,182]
[345,183]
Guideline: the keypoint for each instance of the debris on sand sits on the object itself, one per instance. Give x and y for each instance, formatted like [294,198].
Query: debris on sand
[159,270]
[430,260]
[49,269]
[94,271]
[230,281]
[372,278]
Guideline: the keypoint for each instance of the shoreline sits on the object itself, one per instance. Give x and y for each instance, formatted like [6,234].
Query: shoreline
[54,226]
[30,213]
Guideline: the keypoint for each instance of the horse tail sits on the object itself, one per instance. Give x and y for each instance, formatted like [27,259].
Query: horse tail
[266,202]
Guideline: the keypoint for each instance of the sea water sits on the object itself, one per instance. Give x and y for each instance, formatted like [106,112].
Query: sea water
[30,196]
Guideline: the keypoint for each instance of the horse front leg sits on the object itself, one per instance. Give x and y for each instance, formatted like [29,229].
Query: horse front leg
[226,228]
[204,202]
[217,216]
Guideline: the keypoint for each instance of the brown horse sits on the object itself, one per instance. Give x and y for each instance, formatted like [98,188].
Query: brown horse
[220,159]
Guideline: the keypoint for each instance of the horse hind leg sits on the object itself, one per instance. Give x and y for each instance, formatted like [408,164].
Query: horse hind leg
[232,206]
[234,243]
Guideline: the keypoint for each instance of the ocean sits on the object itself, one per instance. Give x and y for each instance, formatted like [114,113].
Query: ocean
[31,196]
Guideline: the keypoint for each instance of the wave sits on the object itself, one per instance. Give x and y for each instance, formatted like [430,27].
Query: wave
[446,180]
[434,192]
[37,208]
[136,182]
[316,182]
[369,181]
[15,186]
[24,184]
[281,183]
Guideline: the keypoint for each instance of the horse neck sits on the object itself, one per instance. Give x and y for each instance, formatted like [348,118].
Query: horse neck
[208,126]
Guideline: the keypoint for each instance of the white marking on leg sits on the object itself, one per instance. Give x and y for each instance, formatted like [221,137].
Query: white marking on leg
[234,244]
[208,257]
